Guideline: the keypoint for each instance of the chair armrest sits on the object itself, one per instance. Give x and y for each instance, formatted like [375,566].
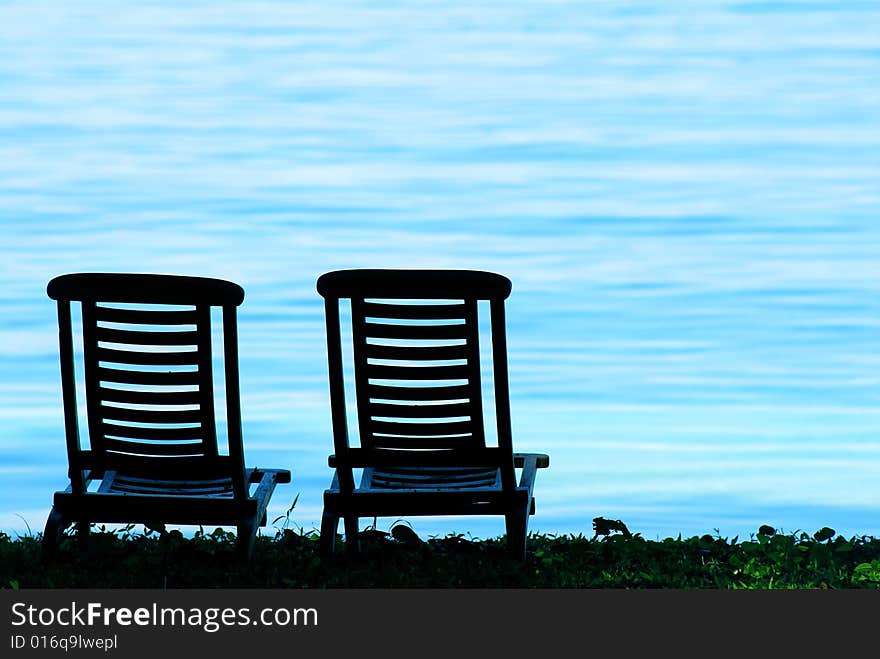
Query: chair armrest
[542,460]
[267,479]
[279,475]
[530,463]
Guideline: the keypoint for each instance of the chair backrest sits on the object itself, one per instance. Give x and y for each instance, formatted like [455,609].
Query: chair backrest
[417,357]
[147,375]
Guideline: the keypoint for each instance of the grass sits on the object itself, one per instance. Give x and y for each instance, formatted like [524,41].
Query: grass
[611,558]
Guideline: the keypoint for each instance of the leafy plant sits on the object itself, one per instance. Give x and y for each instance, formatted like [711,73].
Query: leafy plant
[616,558]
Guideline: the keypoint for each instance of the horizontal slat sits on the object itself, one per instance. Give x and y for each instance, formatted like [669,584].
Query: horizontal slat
[173,482]
[391,392]
[199,468]
[414,311]
[146,316]
[434,478]
[419,472]
[381,483]
[173,487]
[417,353]
[109,395]
[377,372]
[152,434]
[162,448]
[150,416]
[421,443]
[133,337]
[467,456]
[421,429]
[222,487]
[414,332]
[419,411]
[142,377]
[188,358]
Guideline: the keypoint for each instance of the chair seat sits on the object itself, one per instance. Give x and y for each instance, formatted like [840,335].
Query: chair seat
[165,508]
[431,478]
[116,483]
[122,498]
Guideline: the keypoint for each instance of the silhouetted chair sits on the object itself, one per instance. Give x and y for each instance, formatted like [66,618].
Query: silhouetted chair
[419,406]
[149,400]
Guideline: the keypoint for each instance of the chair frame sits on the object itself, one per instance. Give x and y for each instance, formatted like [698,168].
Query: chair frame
[168,488]
[438,496]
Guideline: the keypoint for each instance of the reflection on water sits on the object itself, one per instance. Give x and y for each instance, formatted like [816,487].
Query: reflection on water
[684,197]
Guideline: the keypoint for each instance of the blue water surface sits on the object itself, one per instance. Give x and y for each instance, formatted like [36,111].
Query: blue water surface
[685,196]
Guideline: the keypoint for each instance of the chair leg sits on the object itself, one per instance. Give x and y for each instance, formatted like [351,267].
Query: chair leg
[55,525]
[352,546]
[247,534]
[329,526]
[516,523]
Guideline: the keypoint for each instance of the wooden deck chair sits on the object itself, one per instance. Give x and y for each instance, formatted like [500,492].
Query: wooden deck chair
[148,387]
[423,448]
